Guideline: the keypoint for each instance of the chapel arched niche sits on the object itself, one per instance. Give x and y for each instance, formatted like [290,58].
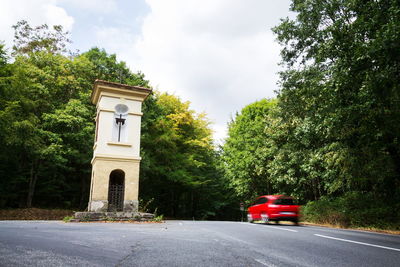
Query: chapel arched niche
[116,190]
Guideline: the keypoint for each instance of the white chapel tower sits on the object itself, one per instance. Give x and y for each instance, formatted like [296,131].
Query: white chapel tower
[115,164]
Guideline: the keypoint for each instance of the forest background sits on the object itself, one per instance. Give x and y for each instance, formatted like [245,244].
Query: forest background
[330,138]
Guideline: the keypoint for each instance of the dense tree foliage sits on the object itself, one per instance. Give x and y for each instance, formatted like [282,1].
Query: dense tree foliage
[246,152]
[335,134]
[47,127]
[340,93]
[46,118]
[179,171]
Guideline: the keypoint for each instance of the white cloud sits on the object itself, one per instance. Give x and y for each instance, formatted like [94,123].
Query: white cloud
[115,40]
[220,55]
[97,6]
[35,12]
[54,15]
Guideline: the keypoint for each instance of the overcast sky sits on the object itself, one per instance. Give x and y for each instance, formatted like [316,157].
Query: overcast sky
[218,54]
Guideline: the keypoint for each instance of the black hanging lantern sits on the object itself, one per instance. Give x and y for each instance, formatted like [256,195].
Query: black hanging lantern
[121,111]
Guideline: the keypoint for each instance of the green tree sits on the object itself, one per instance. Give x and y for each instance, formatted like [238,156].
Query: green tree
[179,167]
[39,38]
[247,150]
[107,67]
[46,118]
[47,127]
[339,101]
[41,84]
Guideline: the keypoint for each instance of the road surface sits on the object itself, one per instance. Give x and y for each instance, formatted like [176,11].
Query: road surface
[191,243]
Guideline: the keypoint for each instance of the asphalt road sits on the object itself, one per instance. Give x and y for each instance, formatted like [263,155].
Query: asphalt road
[191,243]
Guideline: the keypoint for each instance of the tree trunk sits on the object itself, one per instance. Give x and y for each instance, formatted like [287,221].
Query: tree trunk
[32,184]
[319,188]
[315,189]
[192,206]
[173,203]
[83,201]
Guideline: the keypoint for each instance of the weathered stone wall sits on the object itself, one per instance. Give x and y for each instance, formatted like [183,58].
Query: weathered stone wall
[102,167]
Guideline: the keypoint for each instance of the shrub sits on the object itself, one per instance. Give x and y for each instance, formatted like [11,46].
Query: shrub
[354,209]
[158,218]
[68,218]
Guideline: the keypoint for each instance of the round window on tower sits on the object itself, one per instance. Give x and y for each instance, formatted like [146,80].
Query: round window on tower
[120,122]
[121,109]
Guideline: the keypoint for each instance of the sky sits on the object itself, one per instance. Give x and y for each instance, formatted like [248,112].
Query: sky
[220,55]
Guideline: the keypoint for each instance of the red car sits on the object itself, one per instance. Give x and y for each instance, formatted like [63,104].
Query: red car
[274,208]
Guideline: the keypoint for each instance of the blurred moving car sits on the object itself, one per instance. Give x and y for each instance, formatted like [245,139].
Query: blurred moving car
[274,208]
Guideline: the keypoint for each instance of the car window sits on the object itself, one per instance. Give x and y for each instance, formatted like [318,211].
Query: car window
[284,201]
[261,200]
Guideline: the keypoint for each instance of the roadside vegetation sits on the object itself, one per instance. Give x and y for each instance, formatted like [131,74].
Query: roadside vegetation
[353,209]
[330,138]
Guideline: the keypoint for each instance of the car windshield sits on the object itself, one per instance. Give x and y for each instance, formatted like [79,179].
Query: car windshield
[284,201]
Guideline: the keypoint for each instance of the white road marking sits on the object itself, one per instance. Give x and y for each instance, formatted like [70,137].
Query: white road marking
[264,263]
[356,242]
[274,227]
[290,230]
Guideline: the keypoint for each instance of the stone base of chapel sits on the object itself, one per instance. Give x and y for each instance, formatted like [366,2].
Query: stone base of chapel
[112,216]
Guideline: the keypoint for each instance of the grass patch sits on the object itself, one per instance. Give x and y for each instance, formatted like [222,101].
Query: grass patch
[158,218]
[68,218]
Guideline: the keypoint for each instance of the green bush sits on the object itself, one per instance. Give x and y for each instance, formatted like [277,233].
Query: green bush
[324,211]
[354,209]
[68,218]
[158,218]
